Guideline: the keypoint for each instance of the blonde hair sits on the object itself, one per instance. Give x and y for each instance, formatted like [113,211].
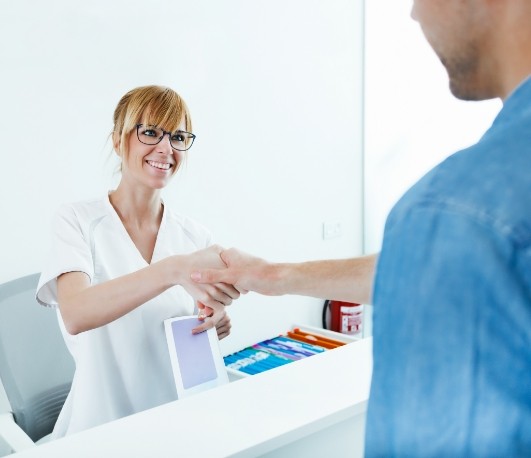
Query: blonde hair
[148,105]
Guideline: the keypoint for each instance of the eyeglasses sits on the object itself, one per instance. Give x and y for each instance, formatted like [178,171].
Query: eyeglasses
[153,135]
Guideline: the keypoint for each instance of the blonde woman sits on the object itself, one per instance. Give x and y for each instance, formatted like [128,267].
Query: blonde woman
[120,265]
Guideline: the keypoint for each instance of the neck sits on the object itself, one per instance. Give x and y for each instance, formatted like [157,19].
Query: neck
[512,47]
[138,207]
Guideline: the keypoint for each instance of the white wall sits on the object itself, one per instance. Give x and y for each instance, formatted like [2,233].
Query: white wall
[275,92]
[412,121]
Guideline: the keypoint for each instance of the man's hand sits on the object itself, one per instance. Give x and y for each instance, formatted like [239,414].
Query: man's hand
[244,271]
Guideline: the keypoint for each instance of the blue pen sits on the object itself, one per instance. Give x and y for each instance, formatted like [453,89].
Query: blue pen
[242,361]
[248,370]
[255,356]
[245,361]
[277,352]
[259,359]
[300,345]
[264,369]
[286,349]
[290,349]
[269,358]
[259,367]
[233,360]
[229,359]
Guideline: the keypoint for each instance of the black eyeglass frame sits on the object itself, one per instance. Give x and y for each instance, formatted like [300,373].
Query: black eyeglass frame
[164,132]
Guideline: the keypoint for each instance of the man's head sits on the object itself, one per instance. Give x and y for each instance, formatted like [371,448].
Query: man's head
[472,38]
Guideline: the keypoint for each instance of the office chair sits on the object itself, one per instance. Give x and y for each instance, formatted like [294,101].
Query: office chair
[36,369]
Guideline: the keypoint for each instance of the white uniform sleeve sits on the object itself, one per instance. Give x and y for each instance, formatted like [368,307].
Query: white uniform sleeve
[197,233]
[70,252]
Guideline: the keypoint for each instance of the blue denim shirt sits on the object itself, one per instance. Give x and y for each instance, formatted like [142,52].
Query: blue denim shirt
[452,304]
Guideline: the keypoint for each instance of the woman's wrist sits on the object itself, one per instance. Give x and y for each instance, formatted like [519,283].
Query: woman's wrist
[171,271]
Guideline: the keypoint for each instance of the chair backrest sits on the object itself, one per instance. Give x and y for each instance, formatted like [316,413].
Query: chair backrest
[36,368]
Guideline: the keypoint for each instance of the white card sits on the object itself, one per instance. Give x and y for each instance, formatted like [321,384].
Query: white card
[195,358]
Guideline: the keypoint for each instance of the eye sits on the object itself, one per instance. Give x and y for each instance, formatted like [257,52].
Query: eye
[150,132]
[178,137]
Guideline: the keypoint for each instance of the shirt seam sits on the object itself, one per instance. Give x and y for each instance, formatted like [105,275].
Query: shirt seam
[502,228]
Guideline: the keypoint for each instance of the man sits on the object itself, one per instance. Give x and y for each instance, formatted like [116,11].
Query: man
[452,288]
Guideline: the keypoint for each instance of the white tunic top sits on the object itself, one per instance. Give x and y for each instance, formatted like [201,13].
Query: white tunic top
[123,367]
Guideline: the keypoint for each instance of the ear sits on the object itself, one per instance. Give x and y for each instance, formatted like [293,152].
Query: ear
[116,143]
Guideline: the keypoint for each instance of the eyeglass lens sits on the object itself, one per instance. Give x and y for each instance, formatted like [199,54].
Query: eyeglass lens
[151,135]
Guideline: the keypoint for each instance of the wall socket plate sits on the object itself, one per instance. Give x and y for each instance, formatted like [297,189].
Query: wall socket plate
[332,230]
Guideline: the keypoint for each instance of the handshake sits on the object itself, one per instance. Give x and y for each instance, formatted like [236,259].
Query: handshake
[215,277]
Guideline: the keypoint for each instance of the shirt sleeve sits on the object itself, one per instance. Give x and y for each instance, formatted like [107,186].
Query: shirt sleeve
[70,252]
[197,233]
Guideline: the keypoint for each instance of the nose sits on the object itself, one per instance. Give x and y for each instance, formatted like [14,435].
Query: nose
[164,145]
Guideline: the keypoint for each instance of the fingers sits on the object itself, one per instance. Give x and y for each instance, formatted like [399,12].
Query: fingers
[208,317]
[223,332]
[216,248]
[203,311]
[219,277]
[204,326]
[226,255]
[217,318]
[210,276]
[223,327]
[215,296]
[229,290]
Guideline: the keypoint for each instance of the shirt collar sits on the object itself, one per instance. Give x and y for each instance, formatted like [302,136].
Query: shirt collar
[517,104]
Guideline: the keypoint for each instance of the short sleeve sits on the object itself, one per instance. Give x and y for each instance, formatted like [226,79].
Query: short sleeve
[70,252]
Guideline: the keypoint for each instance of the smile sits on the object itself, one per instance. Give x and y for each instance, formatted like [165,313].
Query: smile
[160,165]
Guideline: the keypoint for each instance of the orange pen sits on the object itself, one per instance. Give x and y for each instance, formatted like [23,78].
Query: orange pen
[318,337]
[313,340]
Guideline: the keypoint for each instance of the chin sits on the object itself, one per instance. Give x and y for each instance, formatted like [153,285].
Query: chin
[471,91]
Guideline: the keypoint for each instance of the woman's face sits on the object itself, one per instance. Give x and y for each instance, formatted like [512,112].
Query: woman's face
[151,165]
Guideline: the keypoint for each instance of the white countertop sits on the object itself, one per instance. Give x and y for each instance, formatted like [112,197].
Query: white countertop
[245,418]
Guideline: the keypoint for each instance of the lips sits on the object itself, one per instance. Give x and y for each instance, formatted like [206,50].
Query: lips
[160,165]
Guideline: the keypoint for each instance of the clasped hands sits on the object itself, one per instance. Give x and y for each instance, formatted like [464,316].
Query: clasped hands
[214,278]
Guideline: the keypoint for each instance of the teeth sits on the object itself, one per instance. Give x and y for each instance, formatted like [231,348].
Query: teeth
[159,165]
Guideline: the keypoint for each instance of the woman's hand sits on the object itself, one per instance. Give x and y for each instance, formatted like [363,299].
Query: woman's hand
[245,272]
[210,295]
[211,298]
[218,318]
[223,326]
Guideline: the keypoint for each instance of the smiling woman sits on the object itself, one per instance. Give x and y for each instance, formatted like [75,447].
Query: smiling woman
[149,110]
[276,104]
[121,264]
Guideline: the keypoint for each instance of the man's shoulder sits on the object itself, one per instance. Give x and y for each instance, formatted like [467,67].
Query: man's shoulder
[485,182]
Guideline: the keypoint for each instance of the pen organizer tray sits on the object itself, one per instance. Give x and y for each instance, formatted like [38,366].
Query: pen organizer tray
[297,343]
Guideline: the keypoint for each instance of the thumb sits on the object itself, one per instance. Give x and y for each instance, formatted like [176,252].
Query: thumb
[207,276]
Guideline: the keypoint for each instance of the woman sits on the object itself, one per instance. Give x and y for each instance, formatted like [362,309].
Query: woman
[121,265]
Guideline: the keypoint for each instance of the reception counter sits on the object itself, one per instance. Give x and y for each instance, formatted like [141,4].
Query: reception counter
[311,408]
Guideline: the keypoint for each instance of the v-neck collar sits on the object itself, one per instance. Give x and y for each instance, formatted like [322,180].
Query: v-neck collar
[125,234]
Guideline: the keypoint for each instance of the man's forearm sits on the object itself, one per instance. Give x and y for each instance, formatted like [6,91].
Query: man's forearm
[342,279]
